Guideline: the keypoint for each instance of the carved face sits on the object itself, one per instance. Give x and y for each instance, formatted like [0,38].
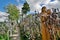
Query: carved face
[43,9]
[48,11]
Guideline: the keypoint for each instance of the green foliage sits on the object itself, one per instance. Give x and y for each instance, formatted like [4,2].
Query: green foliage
[3,37]
[3,32]
[13,12]
[25,8]
[38,37]
[23,33]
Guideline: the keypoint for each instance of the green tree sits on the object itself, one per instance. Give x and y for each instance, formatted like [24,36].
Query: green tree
[13,12]
[25,8]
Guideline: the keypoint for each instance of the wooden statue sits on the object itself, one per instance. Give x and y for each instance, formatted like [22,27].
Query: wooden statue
[44,30]
[49,25]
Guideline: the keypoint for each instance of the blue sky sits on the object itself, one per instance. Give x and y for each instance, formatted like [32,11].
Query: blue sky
[52,0]
[34,5]
[4,3]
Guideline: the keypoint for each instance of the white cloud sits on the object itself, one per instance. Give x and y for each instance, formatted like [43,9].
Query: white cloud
[20,7]
[35,4]
[3,16]
[54,4]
